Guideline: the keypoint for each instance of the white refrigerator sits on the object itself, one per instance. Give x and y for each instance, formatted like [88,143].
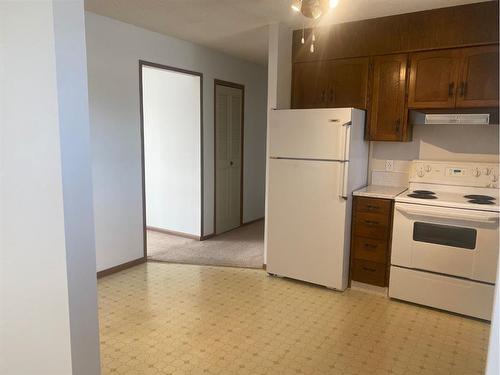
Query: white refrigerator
[316,158]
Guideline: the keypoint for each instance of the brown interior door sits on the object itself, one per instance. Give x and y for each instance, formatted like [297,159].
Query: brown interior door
[388,113]
[309,85]
[434,79]
[478,85]
[348,80]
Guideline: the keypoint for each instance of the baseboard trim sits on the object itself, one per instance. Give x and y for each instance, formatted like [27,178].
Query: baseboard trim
[253,221]
[121,267]
[207,236]
[174,233]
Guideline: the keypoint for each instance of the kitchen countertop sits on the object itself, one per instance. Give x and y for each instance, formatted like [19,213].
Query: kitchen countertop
[380,191]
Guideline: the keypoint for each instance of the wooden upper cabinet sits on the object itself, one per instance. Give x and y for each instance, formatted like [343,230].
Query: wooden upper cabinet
[333,84]
[433,79]
[478,86]
[454,78]
[348,83]
[387,113]
[309,87]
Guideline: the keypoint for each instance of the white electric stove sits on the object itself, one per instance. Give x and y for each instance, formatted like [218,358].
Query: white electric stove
[446,237]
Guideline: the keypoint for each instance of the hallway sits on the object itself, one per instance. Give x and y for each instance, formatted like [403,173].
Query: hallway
[241,247]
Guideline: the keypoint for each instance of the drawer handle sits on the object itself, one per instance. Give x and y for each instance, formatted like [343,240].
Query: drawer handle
[369,269]
[371,222]
[370,207]
[370,246]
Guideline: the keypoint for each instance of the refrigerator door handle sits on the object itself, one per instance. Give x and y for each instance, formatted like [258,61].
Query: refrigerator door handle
[347,139]
[344,179]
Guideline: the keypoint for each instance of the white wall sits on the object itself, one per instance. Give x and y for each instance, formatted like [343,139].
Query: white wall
[172,150]
[437,142]
[279,67]
[279,81]
[113,50]
[48,294]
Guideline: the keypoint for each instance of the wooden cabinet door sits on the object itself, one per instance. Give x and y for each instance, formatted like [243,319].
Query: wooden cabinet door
[434,79]
[387,112]
[309,87]
[348,83]
[478,85]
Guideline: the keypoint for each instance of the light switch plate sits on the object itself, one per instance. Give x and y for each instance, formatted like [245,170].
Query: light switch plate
[389,165]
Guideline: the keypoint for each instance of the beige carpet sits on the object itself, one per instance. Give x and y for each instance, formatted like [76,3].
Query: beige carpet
[242,247]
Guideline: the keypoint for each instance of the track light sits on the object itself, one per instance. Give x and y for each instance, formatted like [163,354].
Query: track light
[297,5]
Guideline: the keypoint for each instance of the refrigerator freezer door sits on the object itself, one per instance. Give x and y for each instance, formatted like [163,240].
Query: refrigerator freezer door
[321,134]
[307,227]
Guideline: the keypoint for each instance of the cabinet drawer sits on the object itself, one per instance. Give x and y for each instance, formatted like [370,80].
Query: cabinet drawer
[371,226]
[370,249]
[369,272]
[373,205]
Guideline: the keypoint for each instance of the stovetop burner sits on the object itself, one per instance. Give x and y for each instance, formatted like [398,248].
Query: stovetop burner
[422,196]
[481,201]
[423,192]
[479,197]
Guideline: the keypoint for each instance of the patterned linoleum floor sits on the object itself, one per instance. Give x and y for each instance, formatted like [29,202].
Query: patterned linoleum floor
[161,318]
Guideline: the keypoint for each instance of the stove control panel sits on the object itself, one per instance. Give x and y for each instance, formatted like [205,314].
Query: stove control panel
[455,173]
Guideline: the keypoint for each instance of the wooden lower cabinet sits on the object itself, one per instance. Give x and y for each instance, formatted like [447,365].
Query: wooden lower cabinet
[371,240]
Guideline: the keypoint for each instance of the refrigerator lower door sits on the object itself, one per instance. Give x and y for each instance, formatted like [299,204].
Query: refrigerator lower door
[307,224]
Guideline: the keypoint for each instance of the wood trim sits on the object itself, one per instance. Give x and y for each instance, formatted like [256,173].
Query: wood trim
[242,88]
[174,233]
[143,63]
[121,267]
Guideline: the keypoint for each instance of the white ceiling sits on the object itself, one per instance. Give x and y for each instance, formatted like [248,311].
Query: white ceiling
[239,27]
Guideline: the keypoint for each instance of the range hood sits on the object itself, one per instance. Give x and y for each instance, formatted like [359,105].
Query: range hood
[419,118]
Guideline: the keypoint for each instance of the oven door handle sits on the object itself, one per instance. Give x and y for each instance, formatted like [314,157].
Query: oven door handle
[473,217]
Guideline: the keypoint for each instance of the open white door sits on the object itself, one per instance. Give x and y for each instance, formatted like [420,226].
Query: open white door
[228,157]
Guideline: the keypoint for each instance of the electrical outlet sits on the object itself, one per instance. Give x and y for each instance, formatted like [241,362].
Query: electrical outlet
[389,165]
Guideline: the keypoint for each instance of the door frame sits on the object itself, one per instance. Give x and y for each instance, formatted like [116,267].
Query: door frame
[219,82]
[144,63]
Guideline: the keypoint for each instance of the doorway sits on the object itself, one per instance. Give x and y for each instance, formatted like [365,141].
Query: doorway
[228,146]
[172,147]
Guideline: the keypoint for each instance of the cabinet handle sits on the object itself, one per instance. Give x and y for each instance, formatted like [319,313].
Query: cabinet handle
[331,95]
[322,96]
[371,222]
[465,88]
[398,124]
[370,246]
[371,207]
[369,269]
[451,89]
[462,84]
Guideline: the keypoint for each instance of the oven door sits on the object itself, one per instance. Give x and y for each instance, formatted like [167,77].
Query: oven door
[449,241]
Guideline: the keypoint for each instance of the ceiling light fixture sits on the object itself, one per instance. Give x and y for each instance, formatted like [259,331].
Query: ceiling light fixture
[333,3]
[297,5]
[313,9]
